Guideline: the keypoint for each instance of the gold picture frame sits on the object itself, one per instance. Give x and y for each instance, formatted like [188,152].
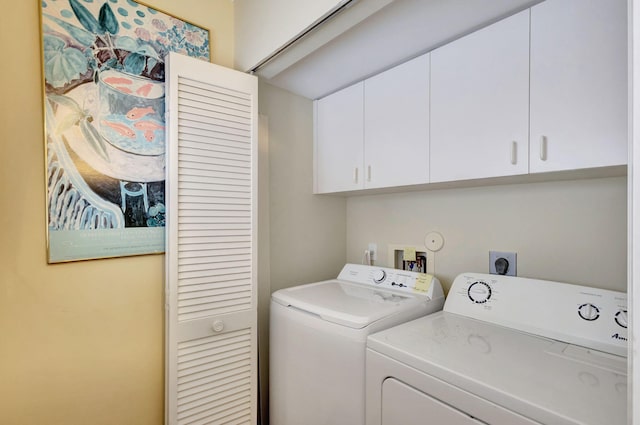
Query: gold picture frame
[103,97]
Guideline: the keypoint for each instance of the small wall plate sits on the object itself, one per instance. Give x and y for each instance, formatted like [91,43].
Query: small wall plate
[504,263]
[434,241]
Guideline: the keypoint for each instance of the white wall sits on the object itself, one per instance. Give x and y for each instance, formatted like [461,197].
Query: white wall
[307,232]
[264,26]
[572,231]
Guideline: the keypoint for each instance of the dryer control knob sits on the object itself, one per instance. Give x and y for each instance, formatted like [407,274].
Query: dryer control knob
[589,312]
[479,292]
[379,276]
[621,318]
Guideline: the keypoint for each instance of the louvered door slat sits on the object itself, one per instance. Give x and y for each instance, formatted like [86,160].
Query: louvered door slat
[211,248]
[202,373]
[229,407]
[199,385]
[222,145]
[217,138]
[204,116]
[212,257]
[212,107]
[212,292]
[215,249]
[211,219]
[197,280]
[214,93]
[194,287]
[201,380]
[215,271]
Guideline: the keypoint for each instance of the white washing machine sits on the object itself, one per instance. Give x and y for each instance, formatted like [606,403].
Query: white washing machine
[504,350]
[318,336]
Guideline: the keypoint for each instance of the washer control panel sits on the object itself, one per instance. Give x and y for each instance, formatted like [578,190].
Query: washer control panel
[591,317]
[392,279]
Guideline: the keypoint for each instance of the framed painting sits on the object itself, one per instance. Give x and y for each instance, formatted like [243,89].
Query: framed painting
[103,68]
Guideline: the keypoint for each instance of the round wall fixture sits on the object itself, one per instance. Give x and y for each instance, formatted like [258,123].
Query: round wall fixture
[433,241]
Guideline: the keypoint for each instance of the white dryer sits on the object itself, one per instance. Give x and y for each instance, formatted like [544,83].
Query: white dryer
[318,336]
[504,350]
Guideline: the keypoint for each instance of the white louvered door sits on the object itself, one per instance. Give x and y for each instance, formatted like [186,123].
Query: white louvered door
[211,294]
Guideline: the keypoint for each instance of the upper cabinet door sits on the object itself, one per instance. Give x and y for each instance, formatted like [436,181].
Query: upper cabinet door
[339,140]
[480,103]
[396,126]
[578,84]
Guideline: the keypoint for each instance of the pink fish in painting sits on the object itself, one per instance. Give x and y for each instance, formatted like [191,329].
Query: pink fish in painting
[148,126]
[123,89]
[149,135]
[137,113]
[120,128]
[144,90]
[117,80]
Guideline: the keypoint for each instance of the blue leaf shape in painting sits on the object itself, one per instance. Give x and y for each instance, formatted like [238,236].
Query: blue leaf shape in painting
[108,21]
[85,17]
[147,50]
[134,63]
[126,43]
[84,37]
[62,64]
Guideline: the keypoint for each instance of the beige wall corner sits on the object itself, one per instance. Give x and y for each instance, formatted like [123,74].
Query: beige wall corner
[81,342]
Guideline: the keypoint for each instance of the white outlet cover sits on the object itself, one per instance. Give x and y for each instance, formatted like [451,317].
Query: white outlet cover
[373,251]
[511,258]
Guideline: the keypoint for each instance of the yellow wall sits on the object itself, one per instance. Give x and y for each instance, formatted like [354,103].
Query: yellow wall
[80,343]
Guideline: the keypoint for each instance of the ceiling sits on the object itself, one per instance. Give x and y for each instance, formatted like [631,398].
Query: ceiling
[340,53]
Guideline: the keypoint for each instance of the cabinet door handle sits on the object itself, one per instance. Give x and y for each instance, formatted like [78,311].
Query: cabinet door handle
[369,173]
[355,175]
[543,148]
[514,152]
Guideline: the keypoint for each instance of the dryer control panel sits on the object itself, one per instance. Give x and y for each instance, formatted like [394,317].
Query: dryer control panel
[392,279]
[591,317]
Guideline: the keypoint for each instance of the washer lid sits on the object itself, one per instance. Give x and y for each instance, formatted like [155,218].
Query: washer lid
[543,379]
[347,304]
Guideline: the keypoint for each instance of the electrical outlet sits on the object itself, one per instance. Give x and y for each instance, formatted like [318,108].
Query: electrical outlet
[503,263]
[373,251]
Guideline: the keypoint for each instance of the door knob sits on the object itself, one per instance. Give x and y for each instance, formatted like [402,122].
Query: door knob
[217,326]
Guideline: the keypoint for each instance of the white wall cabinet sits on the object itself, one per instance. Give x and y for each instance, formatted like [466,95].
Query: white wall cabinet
[578,85]
[543,90]
[339,126]
[396,126]
[480,103]
[375,133]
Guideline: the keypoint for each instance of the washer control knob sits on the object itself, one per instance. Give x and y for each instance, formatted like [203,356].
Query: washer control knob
[479,292]
[379,276]
[621,318]
[589,312]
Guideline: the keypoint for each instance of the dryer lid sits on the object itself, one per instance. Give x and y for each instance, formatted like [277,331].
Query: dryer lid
[345,303]
[543,379]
